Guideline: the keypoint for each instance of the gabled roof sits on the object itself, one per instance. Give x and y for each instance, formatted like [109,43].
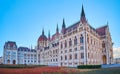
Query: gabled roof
[72,26]
[54,35]
[10,43]
[23,49]
[26,49]
[101,30]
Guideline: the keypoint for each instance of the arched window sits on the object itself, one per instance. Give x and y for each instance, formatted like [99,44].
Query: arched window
[82,55]
[70,42]
[91,40]
[61,58]
[70,56]
[8,61]
[65,43]
[76,56]
[88,55]
[65,57]
[87,38]
[81,39]
[94,42]
[61,45]
[75,41]
[103,44]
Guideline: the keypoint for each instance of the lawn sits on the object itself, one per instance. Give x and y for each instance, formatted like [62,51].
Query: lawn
[103,71]
[56,70]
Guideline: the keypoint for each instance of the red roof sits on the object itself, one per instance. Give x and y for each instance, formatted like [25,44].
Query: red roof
[42,38]
[54,36]
[101,30]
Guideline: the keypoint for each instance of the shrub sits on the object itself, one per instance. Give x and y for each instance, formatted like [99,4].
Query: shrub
[88,66]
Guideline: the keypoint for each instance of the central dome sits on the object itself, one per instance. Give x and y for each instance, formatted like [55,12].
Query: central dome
[42,37]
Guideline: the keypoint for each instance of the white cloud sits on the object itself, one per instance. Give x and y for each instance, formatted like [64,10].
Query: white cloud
[116,52]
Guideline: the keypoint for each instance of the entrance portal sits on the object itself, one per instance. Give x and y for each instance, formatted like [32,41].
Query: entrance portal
[104,59]
[8,61]
[14,62]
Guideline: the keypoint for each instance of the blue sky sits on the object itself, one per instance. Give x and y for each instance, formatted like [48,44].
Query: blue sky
[23,20]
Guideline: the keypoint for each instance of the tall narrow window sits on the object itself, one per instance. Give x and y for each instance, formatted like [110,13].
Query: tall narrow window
[65,57]
[65,43]
[94,42]
[70,50]
[103,44]
[88,55]
[76,56]
[81,39]
[61,45]
[75,49]
[61,58]
[82,55]
[75,41]
[70,56]
[91,40]
[87,39]
[70,42]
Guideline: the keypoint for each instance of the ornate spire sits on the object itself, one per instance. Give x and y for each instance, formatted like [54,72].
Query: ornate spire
[82,13]
[63,25]
[31,46]
[83,18]
[43,31]
[49,35]
[57,29]
[107,22]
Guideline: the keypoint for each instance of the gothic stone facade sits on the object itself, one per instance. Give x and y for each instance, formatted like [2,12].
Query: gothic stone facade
[10,53]
[78,44]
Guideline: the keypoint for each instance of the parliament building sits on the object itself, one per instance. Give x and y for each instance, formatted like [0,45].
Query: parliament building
[77,44]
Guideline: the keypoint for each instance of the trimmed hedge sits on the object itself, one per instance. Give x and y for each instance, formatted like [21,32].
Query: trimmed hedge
[20,66]
[88,66]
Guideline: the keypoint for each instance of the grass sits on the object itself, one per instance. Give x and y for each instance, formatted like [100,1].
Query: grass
[103,71]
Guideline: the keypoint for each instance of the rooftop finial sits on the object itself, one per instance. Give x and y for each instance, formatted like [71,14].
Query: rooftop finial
[43,31]
[107,23]
[63,25]
[57,29]
[82,13]
[83,18]
[31,46]
[49,35]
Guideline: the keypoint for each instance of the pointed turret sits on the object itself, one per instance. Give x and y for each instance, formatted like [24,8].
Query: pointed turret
[42,37]
[49,35]
[43,32]
[63,26]
[42,40]
[83,18]
[31,46]
[82,13]
[57,29]
[107,22]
